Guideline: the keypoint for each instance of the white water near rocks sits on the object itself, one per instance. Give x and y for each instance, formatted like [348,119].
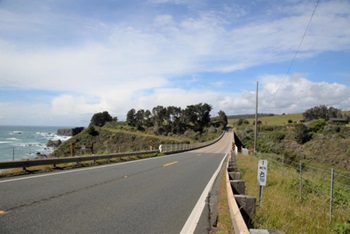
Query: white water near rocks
[26,142]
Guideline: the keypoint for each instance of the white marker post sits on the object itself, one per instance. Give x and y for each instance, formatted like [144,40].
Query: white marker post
[262,175]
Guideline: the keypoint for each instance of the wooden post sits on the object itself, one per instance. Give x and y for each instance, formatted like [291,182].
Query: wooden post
[234,175]
[238,186]
[232,168]
[72,149]
[256,119]
[246,205]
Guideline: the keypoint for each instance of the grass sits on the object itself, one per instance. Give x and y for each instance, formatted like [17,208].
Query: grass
[142,134]
[282,209]
[273,120]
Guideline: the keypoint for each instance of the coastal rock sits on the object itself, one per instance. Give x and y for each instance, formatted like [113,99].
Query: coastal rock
[65,132]
[40,155]
[54,143]
[69,131]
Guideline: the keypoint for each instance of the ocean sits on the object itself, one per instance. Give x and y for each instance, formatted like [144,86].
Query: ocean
[26,142]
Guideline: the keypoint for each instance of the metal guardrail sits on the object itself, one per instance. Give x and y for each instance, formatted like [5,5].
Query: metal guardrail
[175,148]
[54,161]
[168,149]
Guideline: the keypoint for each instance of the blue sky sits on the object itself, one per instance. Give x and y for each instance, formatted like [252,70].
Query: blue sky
[62,61]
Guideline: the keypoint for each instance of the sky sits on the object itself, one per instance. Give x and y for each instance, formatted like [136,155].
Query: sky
[62,61]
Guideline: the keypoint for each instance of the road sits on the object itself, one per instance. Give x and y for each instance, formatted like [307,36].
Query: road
[155,195]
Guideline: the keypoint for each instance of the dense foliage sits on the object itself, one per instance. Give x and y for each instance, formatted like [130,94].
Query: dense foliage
[322,112]
[171,119]
[100,119]
[318,140]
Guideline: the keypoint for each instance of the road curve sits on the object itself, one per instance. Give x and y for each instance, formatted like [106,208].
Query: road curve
[146,196]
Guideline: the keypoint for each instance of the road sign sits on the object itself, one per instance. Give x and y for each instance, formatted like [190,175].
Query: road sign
[262,172]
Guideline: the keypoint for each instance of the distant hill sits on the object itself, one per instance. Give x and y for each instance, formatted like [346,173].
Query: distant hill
[248,116]
[269,119]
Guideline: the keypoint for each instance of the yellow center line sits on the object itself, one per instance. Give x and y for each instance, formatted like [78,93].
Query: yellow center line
[168,164]
[199,155]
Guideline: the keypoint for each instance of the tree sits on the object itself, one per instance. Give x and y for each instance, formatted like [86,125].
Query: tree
[198,116]
[159,115]
[131,117]
[322,112]
[99,119]
[147,119]
[139,118]
[222,119]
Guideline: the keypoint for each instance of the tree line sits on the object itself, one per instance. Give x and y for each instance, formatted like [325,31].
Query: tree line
[322,112]
[169,119]
[176,120]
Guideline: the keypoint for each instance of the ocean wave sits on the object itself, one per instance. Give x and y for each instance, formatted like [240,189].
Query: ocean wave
[32,144]
[53,136]
[12,139]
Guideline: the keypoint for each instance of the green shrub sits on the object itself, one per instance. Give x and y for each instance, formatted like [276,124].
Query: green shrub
[301,134]
[290,157]
[266,128]
[242,122]
[317,125]
[92,131]
[277,137]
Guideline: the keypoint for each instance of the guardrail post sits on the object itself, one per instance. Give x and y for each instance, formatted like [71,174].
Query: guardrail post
[238,186]
[246,204]
[232,168]
[234,175]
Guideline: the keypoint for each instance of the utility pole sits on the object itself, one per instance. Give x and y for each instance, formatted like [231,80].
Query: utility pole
[256,118]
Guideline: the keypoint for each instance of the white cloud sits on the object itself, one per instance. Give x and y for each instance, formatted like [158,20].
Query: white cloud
[203,43]
[117,65]
[162,20]
[298,94]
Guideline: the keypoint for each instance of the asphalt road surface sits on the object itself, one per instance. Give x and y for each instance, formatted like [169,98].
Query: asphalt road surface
[155,195]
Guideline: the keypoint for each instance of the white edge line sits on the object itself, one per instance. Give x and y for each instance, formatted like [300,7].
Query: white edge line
[192,221]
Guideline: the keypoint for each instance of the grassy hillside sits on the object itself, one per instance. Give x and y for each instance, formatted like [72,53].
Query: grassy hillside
[326,143]
[273,120]
[292,204]
[119,137]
